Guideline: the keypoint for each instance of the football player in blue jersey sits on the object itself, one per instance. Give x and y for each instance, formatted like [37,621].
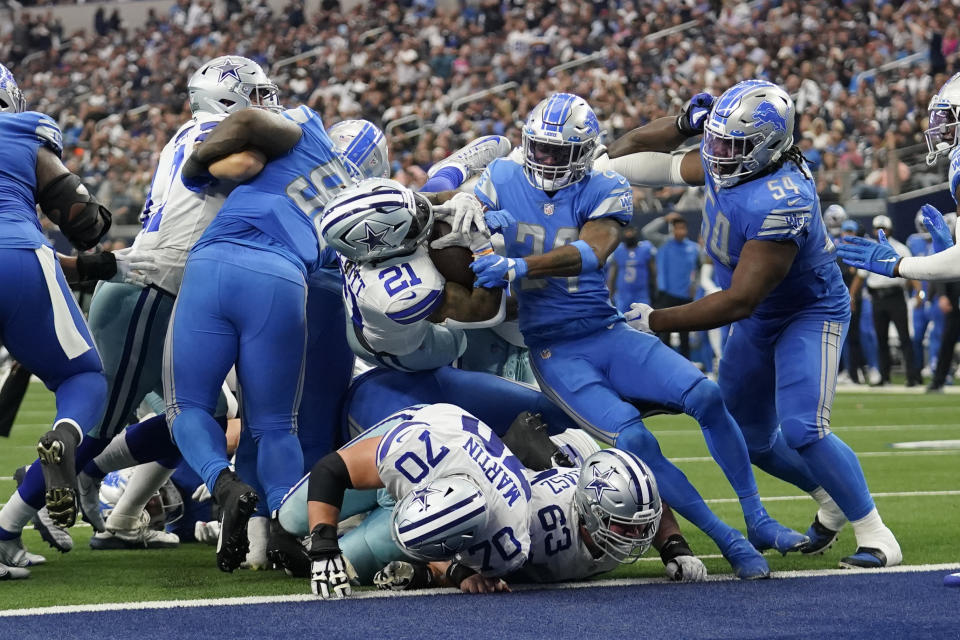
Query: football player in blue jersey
[243,301]
[40,323]
[781,287]
[561,220]
[633,270]
[925,311]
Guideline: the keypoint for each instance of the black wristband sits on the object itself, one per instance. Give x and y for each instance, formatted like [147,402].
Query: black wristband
[329,479]
[96,266]
[457,573]
[675,546]
[323,542]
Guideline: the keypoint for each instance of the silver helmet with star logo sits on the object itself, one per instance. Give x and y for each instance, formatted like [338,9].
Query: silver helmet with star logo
[618,503]
[376,219]
[231,83]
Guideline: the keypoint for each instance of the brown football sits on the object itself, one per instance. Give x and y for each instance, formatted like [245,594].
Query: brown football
[453,263]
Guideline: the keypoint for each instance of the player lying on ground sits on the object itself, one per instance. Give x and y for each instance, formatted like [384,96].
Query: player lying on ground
[781,286]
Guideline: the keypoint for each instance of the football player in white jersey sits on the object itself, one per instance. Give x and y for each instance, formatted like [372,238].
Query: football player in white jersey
[393,292]
[436,452]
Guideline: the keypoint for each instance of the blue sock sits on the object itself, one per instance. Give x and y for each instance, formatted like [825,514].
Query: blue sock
[279,463]
[837,468]
[33,487]
[724,440]
[202,444]
[785,463]
[149,441]
[673,485]
[82,398]
[245,463]
[446,179]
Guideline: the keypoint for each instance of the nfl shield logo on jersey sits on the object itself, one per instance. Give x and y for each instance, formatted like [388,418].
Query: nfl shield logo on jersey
[548,208]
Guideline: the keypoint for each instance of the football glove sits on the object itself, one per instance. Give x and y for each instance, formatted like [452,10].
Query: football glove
[686,569]
[878,257]
[496,271]
[329,577]
[937,226]
[402,576]
[499,220]
[132,264]
[638,316]
[694,114]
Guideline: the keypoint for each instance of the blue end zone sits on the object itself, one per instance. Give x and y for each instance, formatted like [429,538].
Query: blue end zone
[867,606]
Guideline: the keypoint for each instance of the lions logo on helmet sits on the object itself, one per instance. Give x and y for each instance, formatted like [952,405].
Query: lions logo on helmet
[362,147]
[164,507]
[11,98]
[749,128]
[944,112]
[231,83]
[617,498]
[559,139]
[376,219]
[440,518]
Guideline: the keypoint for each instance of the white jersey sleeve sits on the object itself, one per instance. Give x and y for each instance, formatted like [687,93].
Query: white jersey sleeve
[441,440]
[557,550]
[390,303]
[173,216]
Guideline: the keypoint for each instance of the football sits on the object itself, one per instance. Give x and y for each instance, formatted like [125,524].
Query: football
[453,263]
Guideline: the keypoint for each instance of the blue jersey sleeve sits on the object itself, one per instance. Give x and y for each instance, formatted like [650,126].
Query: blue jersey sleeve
[47,132]
[486,190]
[954,173]
[778,215]
[608,195]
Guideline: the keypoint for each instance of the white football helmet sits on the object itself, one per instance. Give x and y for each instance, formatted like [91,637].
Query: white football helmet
[376,219]
[362,147]
[882,222]
[559,138]
[231,83]
[618,502]
[11,98]
[944,112]
[438,519]
[164,507]
[833,218]
[576,444]
[749,128]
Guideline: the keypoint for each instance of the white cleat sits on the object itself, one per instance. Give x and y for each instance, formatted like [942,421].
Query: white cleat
[13,554]
[258,532]
[135,539]
[57,537]
[88,490]
[13,573]
[473,157]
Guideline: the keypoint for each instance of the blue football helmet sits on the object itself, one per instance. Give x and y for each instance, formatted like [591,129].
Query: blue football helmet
[749,128]
[11,98]
[362,147]
[231,83]
[619,504]
[559,140]
[440,518]
[944,112]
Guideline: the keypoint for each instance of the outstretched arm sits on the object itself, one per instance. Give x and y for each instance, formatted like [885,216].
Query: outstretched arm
[763,265]
[661,135]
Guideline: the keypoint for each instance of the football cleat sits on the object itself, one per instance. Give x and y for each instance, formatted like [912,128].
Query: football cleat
[764,533]
[821,538]
[57,537]
[143,538]
[88,490]
[746,561]
[13,573]
[877,552]
[865,558]
[237,501]
[59,475]
[13,554]
[473,157]
[258,531]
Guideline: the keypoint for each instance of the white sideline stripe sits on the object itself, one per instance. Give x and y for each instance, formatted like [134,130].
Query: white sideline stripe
[659,433]
[375,595]
[888,494]
[902,451]
[927,444]
[919,390]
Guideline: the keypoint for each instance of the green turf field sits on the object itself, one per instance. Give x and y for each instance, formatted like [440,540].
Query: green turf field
[923,508]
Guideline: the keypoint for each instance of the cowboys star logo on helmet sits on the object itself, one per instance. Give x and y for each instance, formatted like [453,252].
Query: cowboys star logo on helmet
[373,239]
[600,482]
[421,495]
[228,69]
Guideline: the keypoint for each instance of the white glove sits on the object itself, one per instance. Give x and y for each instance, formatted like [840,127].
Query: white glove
[202,494]
[638,316]
[206,532]
[396,576]
[329,578]
[132,265]
[464,213]
[686,569]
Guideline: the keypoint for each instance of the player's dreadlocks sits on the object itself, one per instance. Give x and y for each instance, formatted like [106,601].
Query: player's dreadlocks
[795,155]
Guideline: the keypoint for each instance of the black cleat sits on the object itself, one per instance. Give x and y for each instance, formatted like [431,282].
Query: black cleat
[821,539]
[59,474]
[237,501]
[865,558]
[286,552]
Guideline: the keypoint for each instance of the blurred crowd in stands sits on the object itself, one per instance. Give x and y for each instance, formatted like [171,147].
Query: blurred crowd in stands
[861,73]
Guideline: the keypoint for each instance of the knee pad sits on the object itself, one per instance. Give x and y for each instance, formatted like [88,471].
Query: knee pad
[799,434]
[639,441]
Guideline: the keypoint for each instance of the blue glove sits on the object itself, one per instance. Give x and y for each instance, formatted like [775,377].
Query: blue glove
[937,226]
[878,257]
[694,114]
[496,271]
[499,220]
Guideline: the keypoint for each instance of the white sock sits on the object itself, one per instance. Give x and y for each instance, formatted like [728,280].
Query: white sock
[829,514]
[15,515]
[116,456]
[145,481]
[869,526]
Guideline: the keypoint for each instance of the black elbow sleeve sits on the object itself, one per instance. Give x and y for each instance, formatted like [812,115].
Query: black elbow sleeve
[69,205]
[329,479]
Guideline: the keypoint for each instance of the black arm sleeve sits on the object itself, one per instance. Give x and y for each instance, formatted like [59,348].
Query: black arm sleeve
[329,479]
[69,205]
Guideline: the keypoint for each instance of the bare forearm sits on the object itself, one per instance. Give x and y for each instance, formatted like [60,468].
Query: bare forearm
[660,135]
[561,262]
[712,311]
[271,134]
